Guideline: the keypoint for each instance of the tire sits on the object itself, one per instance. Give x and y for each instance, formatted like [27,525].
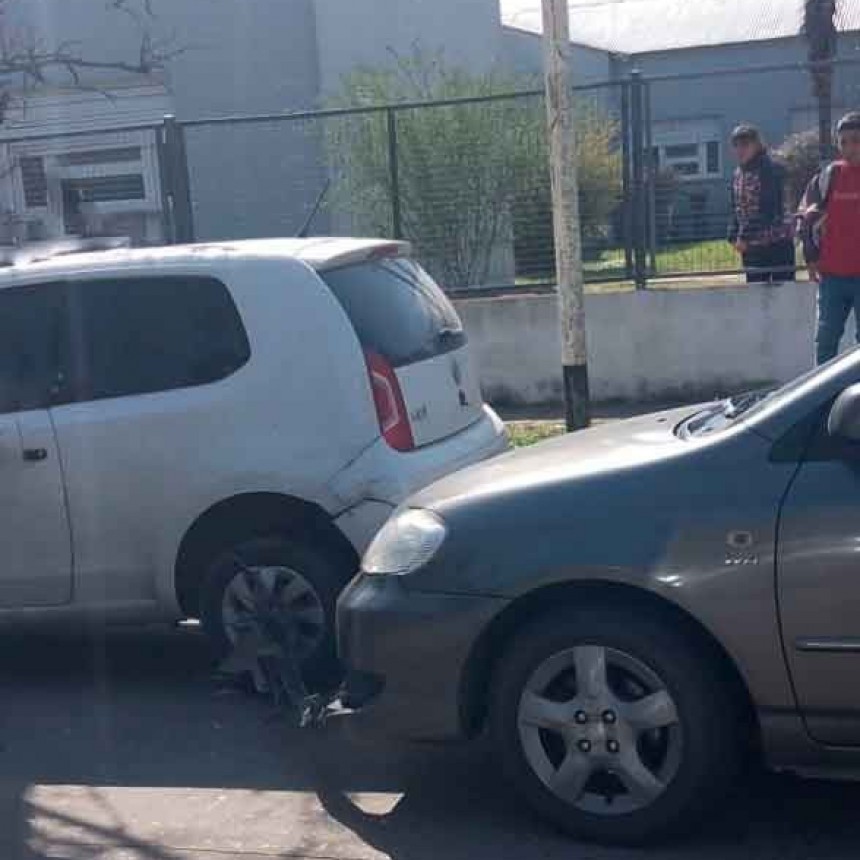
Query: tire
[322,572]
[693,758]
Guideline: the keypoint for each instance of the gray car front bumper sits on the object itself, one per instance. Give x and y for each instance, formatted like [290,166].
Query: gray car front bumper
[405,654]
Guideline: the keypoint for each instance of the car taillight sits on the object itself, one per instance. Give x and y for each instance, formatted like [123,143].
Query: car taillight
[390,406]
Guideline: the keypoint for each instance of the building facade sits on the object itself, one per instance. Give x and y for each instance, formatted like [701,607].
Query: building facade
[69,161]
[700,60]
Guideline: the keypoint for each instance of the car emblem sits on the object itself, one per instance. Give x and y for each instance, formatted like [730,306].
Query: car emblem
[740,549]
[457,376]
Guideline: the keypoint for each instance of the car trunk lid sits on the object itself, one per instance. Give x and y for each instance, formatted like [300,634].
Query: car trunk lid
[415,346]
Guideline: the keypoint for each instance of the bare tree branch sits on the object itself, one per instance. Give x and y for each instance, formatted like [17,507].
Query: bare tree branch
[27,61]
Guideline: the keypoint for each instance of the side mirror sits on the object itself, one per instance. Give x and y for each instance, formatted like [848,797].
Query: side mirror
[844,419]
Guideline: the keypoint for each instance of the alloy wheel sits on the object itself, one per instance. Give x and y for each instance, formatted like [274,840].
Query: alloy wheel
[281,586]
[600,730]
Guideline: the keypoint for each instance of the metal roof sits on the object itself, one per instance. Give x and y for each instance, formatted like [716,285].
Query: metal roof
[647,26]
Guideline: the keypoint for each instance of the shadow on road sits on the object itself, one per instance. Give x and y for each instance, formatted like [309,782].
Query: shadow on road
[130,729]
[464,815]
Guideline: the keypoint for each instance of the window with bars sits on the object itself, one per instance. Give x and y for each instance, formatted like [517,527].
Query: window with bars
[695,160]
[690,148]
[35,181]
[113,155]
[106,189]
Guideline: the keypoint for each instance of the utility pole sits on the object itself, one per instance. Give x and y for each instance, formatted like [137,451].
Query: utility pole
[565,212]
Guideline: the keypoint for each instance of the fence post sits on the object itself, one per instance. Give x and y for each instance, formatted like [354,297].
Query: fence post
[394,174]
[637,117]
[626,184]
[176,183]
[650,183]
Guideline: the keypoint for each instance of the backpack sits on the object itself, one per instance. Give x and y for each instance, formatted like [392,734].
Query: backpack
[812,215]
[826,179]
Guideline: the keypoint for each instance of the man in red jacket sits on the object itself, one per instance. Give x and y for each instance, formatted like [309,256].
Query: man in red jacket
[831,238]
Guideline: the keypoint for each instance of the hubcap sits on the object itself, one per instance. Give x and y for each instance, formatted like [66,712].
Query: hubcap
[281,586]
[600,730]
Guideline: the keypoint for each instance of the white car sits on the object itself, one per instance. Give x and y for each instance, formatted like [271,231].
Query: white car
[172,416]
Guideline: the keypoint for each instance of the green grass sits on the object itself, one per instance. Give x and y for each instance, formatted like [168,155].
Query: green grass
[524,433]
[676,269]
[712,255]
[706,256]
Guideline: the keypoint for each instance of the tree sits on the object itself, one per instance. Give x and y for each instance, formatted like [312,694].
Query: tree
[599,171]
[467,173]
[28,60]
[819,28]
[800,153]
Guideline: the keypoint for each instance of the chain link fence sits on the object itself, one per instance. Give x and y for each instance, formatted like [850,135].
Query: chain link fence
[466,180]
[689,160]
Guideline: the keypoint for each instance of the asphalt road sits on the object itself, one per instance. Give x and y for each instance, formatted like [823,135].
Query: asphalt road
[120,748]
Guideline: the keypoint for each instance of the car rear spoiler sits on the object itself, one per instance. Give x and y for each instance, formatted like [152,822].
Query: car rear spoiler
[365,252]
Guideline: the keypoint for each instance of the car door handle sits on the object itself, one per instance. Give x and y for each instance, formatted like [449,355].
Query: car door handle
[35,455]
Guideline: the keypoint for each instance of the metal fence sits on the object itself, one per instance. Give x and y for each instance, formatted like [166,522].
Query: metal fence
[683,207]
[466,180]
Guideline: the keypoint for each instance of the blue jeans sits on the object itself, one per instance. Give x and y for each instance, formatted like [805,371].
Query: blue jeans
[837,297]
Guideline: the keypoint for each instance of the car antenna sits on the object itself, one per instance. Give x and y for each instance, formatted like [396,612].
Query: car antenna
[306,227]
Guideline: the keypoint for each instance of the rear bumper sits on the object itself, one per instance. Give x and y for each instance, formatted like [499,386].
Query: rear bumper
[374,484]
[405,654]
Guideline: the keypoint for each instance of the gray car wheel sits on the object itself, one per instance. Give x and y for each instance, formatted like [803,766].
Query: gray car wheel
[284,586]
[305,579]
[615,727]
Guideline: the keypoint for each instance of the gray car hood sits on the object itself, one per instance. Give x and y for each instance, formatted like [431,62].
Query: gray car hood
[616,500]
[615,447]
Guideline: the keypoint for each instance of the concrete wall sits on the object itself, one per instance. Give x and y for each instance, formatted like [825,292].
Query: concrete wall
[263,56]
[658,345]
[780,103]
[769,99]
[353,33]
[239,57]
[522,52]
[249,56]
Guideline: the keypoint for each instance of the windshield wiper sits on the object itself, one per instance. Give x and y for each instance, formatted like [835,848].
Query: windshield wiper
[735,406]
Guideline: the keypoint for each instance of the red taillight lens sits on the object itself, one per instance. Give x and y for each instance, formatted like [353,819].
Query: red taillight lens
[390,406]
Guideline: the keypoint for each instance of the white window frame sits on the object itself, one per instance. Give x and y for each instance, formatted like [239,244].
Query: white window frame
[51,149]
[693,132]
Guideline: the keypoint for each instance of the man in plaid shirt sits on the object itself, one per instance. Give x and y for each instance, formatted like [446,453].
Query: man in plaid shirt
[759,229]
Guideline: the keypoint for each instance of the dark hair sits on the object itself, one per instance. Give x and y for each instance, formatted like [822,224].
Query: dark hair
[746,133]
[849,122]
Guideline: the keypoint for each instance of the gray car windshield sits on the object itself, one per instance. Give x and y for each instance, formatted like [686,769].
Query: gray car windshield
[726,413]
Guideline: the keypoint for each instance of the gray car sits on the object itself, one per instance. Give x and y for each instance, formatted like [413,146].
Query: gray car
[632,612]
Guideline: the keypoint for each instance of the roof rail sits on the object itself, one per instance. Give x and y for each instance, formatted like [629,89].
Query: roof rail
[37,252]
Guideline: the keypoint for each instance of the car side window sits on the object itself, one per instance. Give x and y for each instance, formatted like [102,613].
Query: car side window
[31,345]
[810,442]
[139,335]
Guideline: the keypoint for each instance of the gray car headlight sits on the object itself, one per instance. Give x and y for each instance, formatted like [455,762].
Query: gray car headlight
[406,542]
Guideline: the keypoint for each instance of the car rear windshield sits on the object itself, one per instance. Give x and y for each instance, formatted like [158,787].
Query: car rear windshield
[397,310]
